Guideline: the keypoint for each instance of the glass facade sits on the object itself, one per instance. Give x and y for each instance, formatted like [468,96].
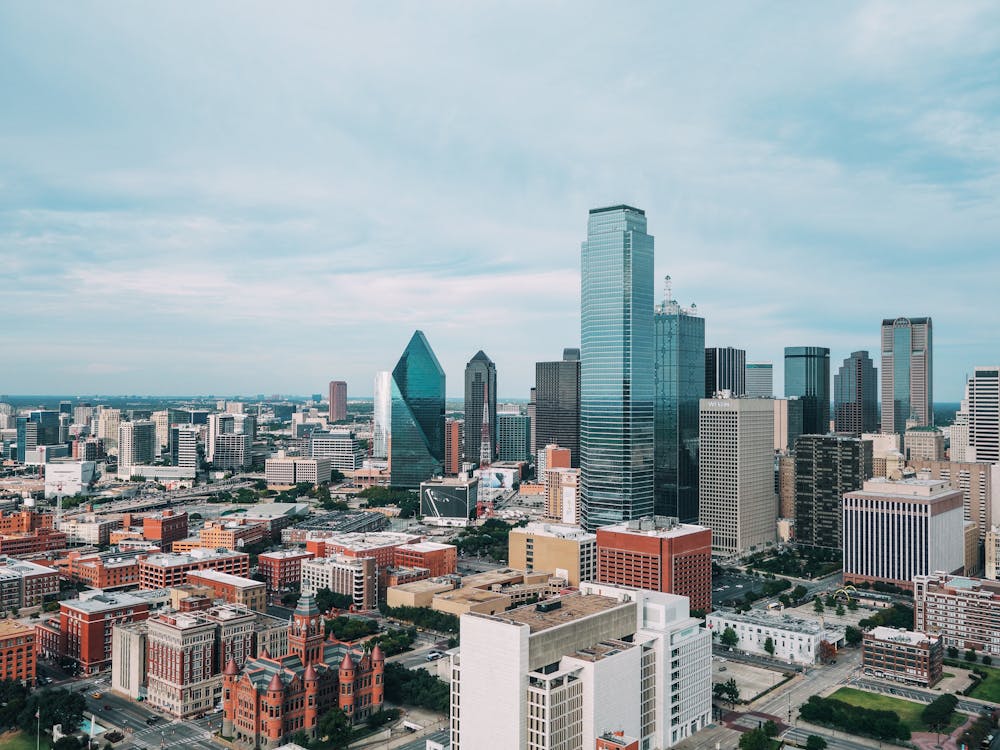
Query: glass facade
[616,388]
[557,404]
[855,395]
[826,467]
[45,431]
[480,383]
[679,382]
[807,376]
[417,446]
[907,373]
[725,370]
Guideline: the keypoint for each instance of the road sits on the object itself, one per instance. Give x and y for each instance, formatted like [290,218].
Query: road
[417,658]
[799,737]
[785,701]
[161,499]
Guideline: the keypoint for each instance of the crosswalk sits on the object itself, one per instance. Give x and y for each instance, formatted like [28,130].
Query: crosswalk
[167,736]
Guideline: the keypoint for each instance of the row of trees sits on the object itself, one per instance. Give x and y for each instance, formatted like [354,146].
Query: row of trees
[416,688]
[423,617]
[896,616]
[489,540]
[18,706]
[882,725]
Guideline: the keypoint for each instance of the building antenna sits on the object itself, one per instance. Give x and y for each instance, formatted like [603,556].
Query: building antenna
[667,290]
[486,434]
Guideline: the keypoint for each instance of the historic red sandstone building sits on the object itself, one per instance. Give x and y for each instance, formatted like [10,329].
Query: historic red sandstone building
[271,698]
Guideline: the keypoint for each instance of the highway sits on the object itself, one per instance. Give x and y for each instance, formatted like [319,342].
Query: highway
[169,499]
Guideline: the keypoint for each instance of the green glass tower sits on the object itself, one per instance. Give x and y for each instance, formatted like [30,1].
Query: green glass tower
[807,375]
[617,364]
[416,450]
[680,381]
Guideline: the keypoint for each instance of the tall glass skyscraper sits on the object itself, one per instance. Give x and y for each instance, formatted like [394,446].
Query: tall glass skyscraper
[417,448]
[382,414]
[855,396]
[807,375]
[680,381]
[907,373]
[557,404]
[725,370]
[480,384]
[617,365]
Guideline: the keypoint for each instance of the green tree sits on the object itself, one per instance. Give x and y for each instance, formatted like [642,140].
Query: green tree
[769,645]
[815,742]
[729,637]
[56,706]
[327,600]
[333,730]
[818,605]
[970,655]
[853,636]
[799,592]
[952,652]
[987,659]
[938,712]
[852,604]
[69,742]
[770,728]
[829,600]
[755,739]
[300,738]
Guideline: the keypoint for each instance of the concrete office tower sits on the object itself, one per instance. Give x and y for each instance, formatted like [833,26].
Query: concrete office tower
[617,364]
[978,482]
[557,404]
[907,373]
[787,423]
[108,421]
[566,550]
[983,399]
[736,497]
[561,673]
[218,424]
[454,435]
[382,414]
[992,543]
[896,530]
[807,376]
[827,467]
[679,382]
[136,443]
[184,446]
[725,370]
[162,421]
[514,437]
[480,385]
[531,415]
[958,442]
[855,396]
[923,444]
[338,400]
[417,450]
[760,380]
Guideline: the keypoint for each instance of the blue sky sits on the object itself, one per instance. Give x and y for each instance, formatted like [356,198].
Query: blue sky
[239,198]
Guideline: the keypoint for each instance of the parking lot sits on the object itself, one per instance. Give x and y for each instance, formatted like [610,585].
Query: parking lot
[751,680]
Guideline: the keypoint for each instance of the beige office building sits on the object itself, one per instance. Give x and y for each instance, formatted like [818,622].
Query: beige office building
[568,552]
[979,483]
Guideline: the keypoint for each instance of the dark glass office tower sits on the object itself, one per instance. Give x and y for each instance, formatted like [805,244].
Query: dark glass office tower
[40,427]
[827,466]
[679,382]
[480,382]
[907,373]
[557,404]
[417,445]
[725,370]
[617,364]
[855,396]
[807,375]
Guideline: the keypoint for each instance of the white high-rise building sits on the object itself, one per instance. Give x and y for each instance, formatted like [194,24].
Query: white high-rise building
[162,421]
[958,435]
[184,445]
[561,673]
[982,393]
[736,478]
[108,422]
[382,415]
[136,443]
[342,447]
[218,424]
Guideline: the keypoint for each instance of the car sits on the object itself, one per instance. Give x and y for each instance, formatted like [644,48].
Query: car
[107,707]
[723,668]
[152,719]
[96,694]
[433,655]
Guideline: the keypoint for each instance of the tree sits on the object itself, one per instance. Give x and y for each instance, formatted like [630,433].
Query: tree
[730,691]
[987,659]
[970,655]
[799,592]
[300,738]
[755,739]
[852,604]
[818,605]
[827,651]
[333,730]
[840,609]
[769,645]
[327,600]
[815,742]
[69,742]
[57,706]
[938,712]
[729,637]
[952,652]
[829,600]
[770,728]
[853,636]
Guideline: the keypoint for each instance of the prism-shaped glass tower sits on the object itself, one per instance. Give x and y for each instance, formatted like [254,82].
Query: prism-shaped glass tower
[416,450]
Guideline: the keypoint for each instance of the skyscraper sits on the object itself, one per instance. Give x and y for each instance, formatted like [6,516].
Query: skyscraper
[826,467]
[382,414]
[480,386]
[725,370]
[514,437]
[855,395]
[907,373]
[807,375]
[557,404]
[338,400]
[736,497]
[760,380]
[417,449]
[680,381]
[136,443]
[40,427]
[983,409]
[616,372]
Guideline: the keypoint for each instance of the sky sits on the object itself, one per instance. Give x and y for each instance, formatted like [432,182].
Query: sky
[242,198]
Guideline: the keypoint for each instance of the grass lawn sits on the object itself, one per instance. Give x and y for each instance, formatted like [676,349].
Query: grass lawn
[908,711]
[988,689]
[21,741]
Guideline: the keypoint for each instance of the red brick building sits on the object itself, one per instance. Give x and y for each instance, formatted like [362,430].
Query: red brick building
[271,699]
[616,741]
[82,631]
[658,554]
[102,570]
[165,527]
[233,589]
[165,570]
[39,540]
[282,569]
[439,559]
[24,521]
[17,652]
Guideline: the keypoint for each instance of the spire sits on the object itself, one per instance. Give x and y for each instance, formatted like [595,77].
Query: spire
[348,662]
[231,669]
[275,685]
[377,654]
[310,674]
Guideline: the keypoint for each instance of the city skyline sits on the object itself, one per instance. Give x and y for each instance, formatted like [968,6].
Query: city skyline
[348,197]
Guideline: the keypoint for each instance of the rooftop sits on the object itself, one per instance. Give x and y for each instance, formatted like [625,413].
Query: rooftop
[899,635]
[99,601]
[227,578]
[778,621]
[167,559]
[277,510]
[663,527]
[560,611]
[918,489]
[555,530]
[427,547]
[285,554]
[469,594]
[602,650]
[365,540]
[13,627]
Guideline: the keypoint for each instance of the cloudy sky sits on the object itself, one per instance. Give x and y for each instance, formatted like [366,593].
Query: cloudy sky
[236,198]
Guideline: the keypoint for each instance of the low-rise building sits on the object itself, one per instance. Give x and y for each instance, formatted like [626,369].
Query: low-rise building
[567,551]
[419,593]
[103,570]
[165,527]
[26,584]
[965,612]
[17,652]
[439,559]
[232,589]
[334,523]
[227,534]
[28,543]
[903,655]
[282,569]
[277,516]
[88,529]
[793,639]
[287,471]
[165,570]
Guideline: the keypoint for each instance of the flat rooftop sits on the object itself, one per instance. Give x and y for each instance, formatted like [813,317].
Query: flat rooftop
[168,559]
[13,627]
[556,531]
[472,595]
[427,547]
[228,579]
[896,635]
[365,540]
[427,585]
[286,554]
[571,607]
[777,621]
[602,650]
[99,601]
[662,527]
